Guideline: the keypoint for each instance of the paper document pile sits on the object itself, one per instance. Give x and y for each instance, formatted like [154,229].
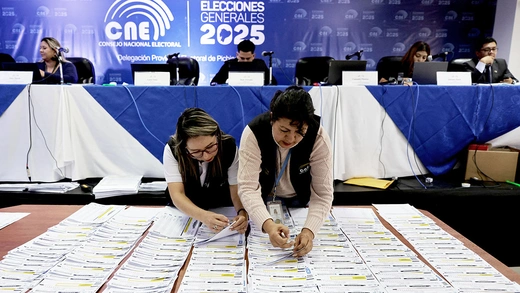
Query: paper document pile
[115,185]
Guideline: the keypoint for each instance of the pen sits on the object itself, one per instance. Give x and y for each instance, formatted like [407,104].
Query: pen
[513,183]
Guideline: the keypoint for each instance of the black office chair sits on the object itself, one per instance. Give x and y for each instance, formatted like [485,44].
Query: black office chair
[310,70]
[188,70]
[458,64]
[5,58]
[84,68]
[388,66]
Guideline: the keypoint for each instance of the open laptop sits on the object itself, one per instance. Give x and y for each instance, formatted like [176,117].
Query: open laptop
[151,68]
[426,72]
[336,68]
[33,67]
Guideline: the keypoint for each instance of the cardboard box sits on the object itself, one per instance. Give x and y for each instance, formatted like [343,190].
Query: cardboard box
[498,164]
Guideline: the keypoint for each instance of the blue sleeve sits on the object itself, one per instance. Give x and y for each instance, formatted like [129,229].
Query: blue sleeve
[70,75]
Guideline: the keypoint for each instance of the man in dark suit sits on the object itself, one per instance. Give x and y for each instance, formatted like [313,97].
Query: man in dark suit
[486,68]
[245,53]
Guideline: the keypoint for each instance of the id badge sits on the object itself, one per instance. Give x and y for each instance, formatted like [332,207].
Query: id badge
[276,211]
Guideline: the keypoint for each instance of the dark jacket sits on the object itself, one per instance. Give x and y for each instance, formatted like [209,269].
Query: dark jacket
[499,71]
[256,65]
[215,191]
[300,169]
[70,75]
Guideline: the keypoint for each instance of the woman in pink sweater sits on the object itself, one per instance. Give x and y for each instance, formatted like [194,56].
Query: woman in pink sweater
[286,153]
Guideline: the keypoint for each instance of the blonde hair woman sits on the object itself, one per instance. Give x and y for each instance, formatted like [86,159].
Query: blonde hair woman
[50,65]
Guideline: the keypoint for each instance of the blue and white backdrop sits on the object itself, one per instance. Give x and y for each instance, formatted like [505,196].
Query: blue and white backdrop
[114,34]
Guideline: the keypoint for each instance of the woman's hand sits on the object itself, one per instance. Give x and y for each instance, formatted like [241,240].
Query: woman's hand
[303,243]
[240,224]
[278,234]
[216,222]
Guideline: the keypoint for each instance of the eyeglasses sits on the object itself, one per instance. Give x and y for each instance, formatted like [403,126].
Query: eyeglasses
[487,50]
[199,154]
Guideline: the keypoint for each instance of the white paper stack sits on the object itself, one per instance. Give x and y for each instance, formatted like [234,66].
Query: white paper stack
[88,266]
[153,186]
[393,264]
[54,187]
[155,263]
[464,269]
[7,218]
[273,269]
[217,263]
[114,185]
[26,266]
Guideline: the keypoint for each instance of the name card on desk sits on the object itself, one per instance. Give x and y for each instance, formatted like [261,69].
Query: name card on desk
[16,77]
[453,78]
[359,78]
[150,78]
[246,78]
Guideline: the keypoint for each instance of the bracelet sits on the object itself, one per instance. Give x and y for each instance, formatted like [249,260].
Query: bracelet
[242,209]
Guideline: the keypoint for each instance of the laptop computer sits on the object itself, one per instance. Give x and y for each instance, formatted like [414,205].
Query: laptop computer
[13,66]
[336,67]
[426,72]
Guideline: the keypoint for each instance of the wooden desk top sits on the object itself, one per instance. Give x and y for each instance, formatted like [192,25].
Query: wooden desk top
[44,216]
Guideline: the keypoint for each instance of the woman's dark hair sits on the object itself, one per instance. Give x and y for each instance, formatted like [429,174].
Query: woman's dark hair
[407,60]
[295,104]
[195,122]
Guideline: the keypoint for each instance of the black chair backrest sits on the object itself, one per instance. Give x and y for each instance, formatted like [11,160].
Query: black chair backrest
[84,68]
[458,64]
[388,66]
[5,58]
[310,70]
[188,70]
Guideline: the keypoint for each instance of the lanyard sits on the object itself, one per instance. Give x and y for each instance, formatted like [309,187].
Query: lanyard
[281,173]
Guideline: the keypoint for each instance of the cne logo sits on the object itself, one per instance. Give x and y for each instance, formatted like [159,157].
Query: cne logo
[157,13]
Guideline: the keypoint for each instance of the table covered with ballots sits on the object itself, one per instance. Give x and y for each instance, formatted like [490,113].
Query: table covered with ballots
[159,249]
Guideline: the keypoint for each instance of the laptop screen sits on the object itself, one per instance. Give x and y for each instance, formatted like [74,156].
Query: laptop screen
[426,72]
[336,67]
[12,66]
[254,66]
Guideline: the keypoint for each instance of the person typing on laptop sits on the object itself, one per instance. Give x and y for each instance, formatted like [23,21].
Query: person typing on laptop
[50,65]
[486,67]
[245,53]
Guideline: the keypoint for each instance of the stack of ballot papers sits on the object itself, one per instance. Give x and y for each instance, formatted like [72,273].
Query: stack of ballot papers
[153,186]
[55,187]
[155,263]
[7,218]
[217,262]
[114,185]
[461,267]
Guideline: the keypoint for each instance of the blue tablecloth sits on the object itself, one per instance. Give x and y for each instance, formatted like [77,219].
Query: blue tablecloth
[440,121]
[8,94]
[160,107]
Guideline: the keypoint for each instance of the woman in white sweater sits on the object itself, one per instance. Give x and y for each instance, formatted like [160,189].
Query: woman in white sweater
[286,153]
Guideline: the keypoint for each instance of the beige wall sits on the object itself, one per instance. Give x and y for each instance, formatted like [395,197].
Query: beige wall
[507,33]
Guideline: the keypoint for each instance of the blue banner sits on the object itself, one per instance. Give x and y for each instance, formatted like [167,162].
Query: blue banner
[114,34]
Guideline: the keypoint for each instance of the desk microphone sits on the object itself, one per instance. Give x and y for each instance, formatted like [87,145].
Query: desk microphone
[64,50]
[442,55]
[267,53]
[173,55]
[358,54]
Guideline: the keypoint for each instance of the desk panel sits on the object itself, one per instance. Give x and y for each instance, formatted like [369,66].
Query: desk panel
[80,132]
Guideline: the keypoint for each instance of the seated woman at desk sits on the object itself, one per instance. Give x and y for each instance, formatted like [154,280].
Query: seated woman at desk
[50,65]
[201,166]
[418,52]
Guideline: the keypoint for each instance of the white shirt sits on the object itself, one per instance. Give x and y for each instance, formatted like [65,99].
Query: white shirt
[172,173]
